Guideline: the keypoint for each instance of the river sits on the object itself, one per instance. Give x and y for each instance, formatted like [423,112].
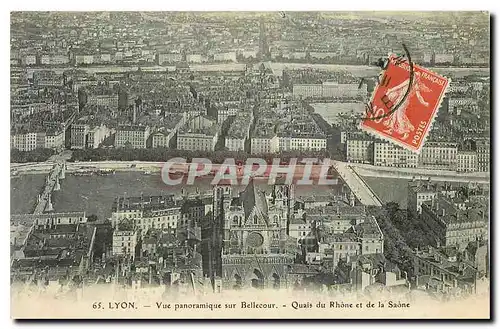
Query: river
[277,68]
[330,111]
[95,194]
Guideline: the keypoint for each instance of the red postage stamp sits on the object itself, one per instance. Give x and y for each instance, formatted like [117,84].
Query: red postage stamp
[404,104]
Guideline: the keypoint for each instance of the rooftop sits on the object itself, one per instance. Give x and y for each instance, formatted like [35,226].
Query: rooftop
[145,203]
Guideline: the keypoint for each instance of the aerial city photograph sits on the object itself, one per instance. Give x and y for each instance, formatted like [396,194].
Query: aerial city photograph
[178,161]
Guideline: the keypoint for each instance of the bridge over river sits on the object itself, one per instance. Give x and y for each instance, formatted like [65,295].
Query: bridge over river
[44,201]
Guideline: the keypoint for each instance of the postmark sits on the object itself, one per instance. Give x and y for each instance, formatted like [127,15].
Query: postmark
[404,103]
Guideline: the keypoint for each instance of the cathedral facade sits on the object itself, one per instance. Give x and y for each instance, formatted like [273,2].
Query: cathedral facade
[255,249]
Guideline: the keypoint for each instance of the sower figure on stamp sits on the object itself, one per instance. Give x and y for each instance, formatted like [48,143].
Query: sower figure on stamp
[398,120]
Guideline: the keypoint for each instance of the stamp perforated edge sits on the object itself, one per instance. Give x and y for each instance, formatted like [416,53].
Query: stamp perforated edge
[375,133]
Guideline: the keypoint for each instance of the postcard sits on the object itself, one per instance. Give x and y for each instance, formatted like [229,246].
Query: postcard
[250,165]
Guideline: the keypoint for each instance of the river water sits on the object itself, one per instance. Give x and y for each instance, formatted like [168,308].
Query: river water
[95,194]
[330,111]
[277,68]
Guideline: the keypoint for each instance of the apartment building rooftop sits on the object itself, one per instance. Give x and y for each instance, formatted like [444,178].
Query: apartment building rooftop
[145,203]
[450,213]
[131,127]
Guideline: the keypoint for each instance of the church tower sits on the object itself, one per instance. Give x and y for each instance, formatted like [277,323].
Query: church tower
[256,249]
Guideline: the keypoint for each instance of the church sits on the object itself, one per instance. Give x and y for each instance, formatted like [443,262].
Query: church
[255,249]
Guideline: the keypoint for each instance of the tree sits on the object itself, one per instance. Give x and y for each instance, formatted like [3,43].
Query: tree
[92,218]
[125,225]
[392,208]
[82,98]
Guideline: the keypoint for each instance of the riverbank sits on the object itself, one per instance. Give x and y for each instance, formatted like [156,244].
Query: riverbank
[363,170]
[277,68]
[410,173]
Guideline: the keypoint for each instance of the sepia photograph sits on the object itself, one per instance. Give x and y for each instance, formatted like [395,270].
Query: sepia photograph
[250,164]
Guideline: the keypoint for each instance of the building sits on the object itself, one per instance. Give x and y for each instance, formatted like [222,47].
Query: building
[106,58]
[467,161]
[483,155]
[165,136]
[390,155]
[307,91]
[125,243]
[51,138]
[162,138]
[443,58]
[24,141]
[330,90]
[96,135]
[149,244]
[198,134]
[132,136]
[249,53]
[47,78]
[28,60]
[255,250]
[169,58]
[54,139]
[195,209]
[223,113]
[441,271]
[343,90]
[165,212]
[146,212]
[195,58]
[359,149]
[54,59]
[262,143]
[299,228]
[56,246]
[456,222]
[337,218]
[438,155]
[418,193]
[49,220]
[238,134]
[109,100]
[225,57]
[264,138]
[87,134]
[343,236]
[367,272]
[314,201]
[302,142]
[235,143]
[298,55]
[457,104]
[85,59]
[78,135]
